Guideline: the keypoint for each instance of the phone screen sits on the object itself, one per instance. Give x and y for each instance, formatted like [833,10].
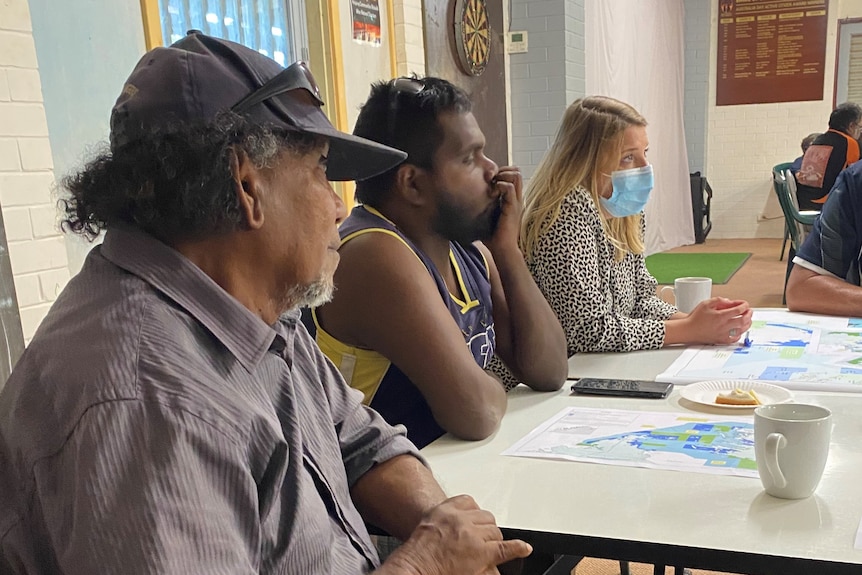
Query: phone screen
[622,387]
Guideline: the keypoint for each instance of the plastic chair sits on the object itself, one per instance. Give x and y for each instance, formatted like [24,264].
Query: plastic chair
[793,218]
[783,167]
[803,215]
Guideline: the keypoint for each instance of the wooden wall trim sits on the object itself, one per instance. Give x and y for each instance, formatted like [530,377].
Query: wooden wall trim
[152,23]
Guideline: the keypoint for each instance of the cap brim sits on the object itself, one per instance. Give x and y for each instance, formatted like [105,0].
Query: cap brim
[350,157]
[355,158]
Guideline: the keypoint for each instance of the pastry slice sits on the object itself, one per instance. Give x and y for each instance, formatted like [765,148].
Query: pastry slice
[737,397]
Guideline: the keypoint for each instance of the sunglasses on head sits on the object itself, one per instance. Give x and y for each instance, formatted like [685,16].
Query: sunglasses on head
[397,88]
[295,76]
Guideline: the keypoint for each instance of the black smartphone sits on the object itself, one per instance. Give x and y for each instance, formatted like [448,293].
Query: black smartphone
[622,387]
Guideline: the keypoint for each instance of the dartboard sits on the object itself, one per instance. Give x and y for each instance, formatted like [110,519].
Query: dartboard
[472,35]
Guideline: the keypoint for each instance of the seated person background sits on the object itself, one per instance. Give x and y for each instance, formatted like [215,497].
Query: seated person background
[431,282]
[830,153]
[168,416]
[805,144]
[582,236]
[825,277]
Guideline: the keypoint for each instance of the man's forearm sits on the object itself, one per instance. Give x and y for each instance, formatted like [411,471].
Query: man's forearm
[810,292]
[538,343]
[395,494]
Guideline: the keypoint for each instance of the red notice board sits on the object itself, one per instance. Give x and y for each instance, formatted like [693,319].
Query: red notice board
[770,51]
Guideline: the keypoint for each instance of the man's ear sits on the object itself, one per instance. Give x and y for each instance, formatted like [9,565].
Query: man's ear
[248,186]
[409,184]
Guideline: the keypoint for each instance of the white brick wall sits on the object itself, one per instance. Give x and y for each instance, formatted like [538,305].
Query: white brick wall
[36,247]
[409,37]
[744,142]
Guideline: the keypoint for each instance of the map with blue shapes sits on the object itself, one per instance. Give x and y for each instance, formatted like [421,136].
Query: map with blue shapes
[659,440]
[796,351]
[724,444]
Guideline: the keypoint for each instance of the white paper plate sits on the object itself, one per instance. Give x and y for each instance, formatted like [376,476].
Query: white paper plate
[704,392]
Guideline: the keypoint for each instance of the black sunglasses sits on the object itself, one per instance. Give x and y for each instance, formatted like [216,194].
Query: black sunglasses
[295,76]
[397,88]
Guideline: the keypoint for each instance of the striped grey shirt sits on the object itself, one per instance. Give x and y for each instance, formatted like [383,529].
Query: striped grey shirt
[155,425]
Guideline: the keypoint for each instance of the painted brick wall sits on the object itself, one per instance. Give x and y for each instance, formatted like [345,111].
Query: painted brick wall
[696,81]
[409,37]
[546,78]
[36,246]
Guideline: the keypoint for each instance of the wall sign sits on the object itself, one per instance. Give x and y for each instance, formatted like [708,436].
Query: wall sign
[366,21]
[770,51]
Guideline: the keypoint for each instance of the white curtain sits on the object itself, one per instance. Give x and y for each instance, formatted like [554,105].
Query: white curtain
[635,52]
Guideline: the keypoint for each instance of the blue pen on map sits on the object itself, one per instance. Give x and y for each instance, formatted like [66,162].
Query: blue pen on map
[747,341]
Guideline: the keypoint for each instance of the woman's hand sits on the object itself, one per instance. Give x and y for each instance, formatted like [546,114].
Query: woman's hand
[716,321]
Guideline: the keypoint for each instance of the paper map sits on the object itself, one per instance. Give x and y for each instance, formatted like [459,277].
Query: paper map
[658,440]
[796,351]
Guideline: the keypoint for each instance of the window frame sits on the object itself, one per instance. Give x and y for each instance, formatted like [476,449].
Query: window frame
[847,29]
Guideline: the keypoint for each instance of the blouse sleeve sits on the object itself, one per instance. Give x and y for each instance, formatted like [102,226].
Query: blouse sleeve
[647,304]
[569,268]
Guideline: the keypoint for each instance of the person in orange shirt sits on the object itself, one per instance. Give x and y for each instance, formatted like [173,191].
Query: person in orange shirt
[830,153]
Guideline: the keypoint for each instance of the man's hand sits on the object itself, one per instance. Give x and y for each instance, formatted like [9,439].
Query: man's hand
[530,340]
[455,537]
[509,184]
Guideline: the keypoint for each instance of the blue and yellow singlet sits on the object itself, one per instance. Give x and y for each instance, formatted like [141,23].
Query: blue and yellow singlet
[386,388]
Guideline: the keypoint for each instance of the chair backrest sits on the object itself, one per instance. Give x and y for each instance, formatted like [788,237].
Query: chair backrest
[782,191]
[790,179]
[782,166]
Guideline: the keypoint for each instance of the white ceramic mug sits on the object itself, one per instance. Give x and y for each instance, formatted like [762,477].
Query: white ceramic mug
[689,291]
[791,443]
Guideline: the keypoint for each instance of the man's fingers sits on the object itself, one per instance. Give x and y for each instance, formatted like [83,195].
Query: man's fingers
[492,533]
[512,549]
[463,502]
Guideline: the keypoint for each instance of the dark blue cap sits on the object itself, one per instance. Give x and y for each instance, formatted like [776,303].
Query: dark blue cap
[200,76]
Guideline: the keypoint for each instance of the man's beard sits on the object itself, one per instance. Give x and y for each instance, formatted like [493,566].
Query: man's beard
[311,295]
[452,224]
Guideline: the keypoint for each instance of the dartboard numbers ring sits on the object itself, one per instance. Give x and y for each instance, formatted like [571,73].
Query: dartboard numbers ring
[472,35]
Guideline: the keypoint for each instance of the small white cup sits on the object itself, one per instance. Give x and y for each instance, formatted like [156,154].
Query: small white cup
[791,443]
[688,292]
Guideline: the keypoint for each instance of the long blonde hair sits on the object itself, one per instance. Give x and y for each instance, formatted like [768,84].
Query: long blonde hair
[588,144]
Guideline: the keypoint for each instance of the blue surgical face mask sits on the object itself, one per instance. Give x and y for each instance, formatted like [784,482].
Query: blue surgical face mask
[631,191]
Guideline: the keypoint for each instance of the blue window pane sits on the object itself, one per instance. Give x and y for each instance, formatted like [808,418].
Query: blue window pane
[263,25]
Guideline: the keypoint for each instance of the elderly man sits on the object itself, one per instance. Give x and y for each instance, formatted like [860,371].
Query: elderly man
[171,415]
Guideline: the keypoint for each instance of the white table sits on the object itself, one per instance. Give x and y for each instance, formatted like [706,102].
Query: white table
[655,516]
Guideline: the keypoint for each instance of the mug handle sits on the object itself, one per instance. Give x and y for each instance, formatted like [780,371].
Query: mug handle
[661,293]
[774,442]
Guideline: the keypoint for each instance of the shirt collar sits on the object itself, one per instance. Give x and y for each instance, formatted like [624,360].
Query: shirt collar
[244,334]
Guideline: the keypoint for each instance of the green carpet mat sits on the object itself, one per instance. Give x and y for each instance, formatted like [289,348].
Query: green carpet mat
[720,267]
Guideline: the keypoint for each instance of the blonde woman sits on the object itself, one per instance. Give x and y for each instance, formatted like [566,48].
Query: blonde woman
[582,236]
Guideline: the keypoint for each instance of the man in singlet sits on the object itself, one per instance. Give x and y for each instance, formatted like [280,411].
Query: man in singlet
[831,152]
[431,284]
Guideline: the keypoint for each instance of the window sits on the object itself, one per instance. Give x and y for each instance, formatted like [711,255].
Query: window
[848,81]
[275,28]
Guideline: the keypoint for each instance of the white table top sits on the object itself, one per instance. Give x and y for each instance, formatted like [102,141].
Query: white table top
[634,365]
[670,517]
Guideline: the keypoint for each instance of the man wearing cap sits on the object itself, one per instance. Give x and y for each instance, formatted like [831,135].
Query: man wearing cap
[171,415]
[430,262]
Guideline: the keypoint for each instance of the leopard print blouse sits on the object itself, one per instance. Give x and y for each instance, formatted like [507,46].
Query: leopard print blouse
[602,304]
